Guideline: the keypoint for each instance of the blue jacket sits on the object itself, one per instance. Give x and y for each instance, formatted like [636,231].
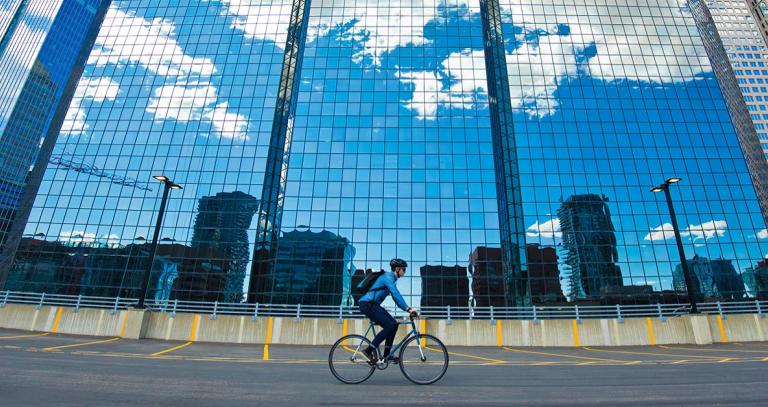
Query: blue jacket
[383,286]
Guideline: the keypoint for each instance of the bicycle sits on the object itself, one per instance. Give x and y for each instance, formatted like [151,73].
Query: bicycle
[423,358]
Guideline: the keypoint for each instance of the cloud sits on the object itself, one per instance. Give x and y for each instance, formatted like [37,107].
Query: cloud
[705,231]
[662,232]
[763,234]
[378,25]
[465,73]
[548,230]
[97,89]
[127,39]
[77,236]
[198,102]
[656,43]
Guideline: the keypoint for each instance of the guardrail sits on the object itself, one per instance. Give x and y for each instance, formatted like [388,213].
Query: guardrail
[449,313]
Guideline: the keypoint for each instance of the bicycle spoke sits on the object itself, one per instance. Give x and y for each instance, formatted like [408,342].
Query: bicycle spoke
[347,361]
[423,359]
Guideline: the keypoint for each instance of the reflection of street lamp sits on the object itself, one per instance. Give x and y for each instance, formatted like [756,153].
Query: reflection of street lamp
[128,262]
[683,261]
[153,249]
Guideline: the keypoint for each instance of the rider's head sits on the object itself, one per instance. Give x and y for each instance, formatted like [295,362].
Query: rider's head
[398,266]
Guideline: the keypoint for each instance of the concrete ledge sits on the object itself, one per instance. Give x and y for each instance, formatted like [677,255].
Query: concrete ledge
[137,324]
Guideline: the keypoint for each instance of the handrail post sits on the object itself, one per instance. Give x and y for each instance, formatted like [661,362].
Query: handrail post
[449,315]
[5,300]
[535,315]
[255,312]
[341,310]
[77,305]
[757,303]
[578,315]
[42,300]
[175,304]
[298,313]
[215,309]
[661,314]
[618,314]
[720,311]
[117,302]
[493,317]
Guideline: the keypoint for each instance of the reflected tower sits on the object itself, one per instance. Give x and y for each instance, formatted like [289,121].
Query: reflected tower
[589,239]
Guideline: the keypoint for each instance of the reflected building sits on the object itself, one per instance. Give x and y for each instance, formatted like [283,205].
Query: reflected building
[713,279]
[487,277]
[44,45]
[589,241]
[543,275]
[756,280]
[222,224]
[312,268]
[443,286]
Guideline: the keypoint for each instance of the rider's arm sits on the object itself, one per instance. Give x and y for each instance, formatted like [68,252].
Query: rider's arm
[389,281]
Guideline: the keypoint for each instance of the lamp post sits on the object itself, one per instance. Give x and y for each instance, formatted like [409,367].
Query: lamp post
[169,185]
[683,261]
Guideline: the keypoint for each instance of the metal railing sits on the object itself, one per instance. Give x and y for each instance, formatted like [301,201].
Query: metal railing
[534,313]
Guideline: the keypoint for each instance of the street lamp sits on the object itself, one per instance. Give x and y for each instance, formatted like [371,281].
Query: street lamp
[683,262]
[169,185]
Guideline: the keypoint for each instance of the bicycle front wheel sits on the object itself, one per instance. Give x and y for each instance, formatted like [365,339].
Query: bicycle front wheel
[423,359]
[347,361]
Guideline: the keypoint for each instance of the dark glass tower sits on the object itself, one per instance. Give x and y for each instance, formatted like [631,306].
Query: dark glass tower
[44,45]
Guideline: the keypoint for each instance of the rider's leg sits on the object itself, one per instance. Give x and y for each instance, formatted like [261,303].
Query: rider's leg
[388,325]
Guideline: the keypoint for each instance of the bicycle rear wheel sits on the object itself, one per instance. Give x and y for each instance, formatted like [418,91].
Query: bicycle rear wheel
[423,359]
[347,361]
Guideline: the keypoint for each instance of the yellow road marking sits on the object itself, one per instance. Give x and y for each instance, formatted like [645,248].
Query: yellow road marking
[344,331]
[765,360]
[80,344]
[651,353]
[651,337]
[499,341]
[423,329]
[495,361]
[679,362]
[56,322]
[725,360]
[567,356]
[722,328]
[576,341]
[163,352]
[714,350]
[269,339]
[24,336]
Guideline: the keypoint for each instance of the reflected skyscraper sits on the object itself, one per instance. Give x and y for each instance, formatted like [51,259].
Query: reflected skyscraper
[756,280]
[589,240]
[43,48]
[312,269]
[442,286]
[222,224]
[487,277]
[713,279]
[543,275]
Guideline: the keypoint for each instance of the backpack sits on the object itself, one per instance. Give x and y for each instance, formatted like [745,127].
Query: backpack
[364,286]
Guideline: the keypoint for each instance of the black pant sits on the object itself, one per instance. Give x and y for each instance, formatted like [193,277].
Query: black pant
[388,324]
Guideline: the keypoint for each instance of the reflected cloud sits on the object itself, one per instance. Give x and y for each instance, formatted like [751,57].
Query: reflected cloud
[97,89]
[127,39]
[763,234]
[705,231]
[549,229]
[77,236]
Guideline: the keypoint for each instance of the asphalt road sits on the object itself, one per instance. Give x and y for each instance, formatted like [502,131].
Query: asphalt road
[62,370]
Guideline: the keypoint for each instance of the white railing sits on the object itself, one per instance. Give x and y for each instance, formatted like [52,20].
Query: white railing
[534,313]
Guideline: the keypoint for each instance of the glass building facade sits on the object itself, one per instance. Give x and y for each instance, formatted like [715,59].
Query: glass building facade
[43,48]
[505,148]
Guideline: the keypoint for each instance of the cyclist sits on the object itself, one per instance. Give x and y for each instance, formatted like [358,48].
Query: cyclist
[370,305]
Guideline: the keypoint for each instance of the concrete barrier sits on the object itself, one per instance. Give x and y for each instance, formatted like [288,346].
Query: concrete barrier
[135,324]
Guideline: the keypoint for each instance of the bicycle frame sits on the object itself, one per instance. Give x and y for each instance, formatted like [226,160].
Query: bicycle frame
[414,332]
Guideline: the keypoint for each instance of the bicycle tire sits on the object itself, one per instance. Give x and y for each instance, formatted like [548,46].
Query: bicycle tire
[343,347]
[434,345]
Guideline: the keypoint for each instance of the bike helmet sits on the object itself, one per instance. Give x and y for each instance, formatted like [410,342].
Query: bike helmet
[395,263]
